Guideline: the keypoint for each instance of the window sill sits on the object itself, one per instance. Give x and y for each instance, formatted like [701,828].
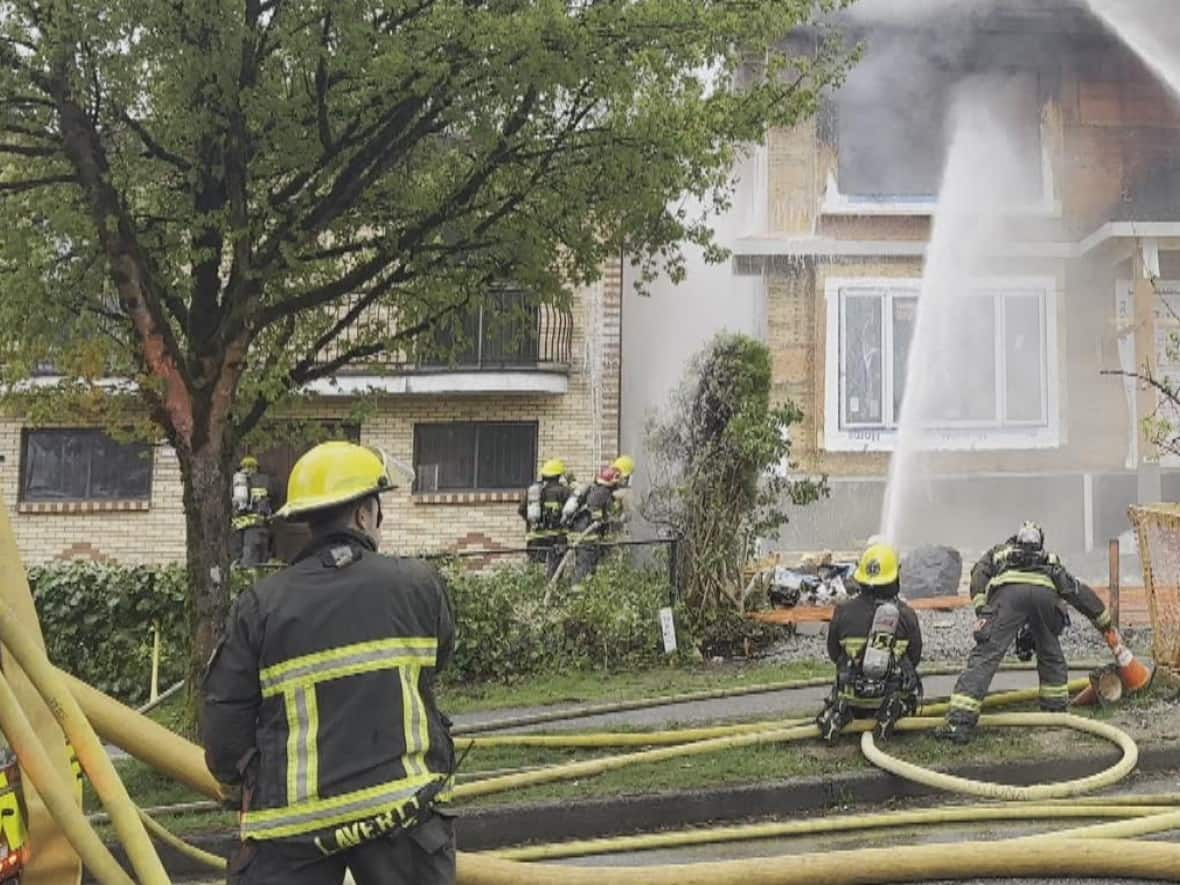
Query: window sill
[71,507]
[962,439]
[472,497]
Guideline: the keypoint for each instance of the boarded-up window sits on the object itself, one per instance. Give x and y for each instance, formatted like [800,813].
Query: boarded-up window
[83,465]
[490,456]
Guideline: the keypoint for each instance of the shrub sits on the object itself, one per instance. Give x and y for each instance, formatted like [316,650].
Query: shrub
[506,630]
[98,618]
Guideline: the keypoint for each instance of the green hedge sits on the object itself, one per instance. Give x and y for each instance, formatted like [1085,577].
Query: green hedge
[507,629]
[97,620]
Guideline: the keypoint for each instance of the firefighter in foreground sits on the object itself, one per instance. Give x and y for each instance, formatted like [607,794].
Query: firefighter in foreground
[320,700]
[875,642]
[541,509]
[1019,586]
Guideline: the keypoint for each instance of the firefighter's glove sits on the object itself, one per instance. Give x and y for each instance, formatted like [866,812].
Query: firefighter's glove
[1026,647]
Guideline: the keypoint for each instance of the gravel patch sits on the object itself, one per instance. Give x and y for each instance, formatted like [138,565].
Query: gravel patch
[947,638]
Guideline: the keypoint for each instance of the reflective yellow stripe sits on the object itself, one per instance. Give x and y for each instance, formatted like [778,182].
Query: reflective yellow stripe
[1054,691]
[979,600]
[1103,620]
[1018,577]
[311,736]
[853,646]
[965,702]
[361,657]
[899,647]
[294,742]
[318,814]
[411,717]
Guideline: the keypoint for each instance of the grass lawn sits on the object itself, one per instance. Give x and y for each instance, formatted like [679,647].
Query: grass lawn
[595,686]
[746,765]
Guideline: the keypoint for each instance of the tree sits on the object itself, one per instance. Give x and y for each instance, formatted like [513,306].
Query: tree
[721,477]
[224,200]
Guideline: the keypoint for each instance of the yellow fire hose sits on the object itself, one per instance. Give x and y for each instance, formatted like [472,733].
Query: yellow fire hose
[476,870]
[56,793]
[707,695]
[689,735]
[1025,811]
[1116,859]
[986,790]
[91,754]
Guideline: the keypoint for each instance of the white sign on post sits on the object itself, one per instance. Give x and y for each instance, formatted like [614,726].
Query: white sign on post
[668,628]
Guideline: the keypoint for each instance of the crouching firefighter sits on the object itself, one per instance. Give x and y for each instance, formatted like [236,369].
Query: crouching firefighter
[1019,588]
[876,643]
[320,700]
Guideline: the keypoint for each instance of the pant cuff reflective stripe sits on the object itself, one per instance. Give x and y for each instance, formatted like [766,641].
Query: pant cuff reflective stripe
[965,702]
[1103,620]
[979,600]
[1054,691]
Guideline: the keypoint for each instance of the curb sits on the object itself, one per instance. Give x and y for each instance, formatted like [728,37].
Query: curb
[501,826]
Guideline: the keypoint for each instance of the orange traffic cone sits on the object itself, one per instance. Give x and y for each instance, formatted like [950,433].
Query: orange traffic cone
[1106,687]
[1134,675]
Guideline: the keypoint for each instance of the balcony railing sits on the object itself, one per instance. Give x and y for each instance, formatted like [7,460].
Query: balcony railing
[507,337]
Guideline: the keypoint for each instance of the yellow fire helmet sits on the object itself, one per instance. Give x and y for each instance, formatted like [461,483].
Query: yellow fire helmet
[878,567]
[625,464]
[334,473]
[553,468]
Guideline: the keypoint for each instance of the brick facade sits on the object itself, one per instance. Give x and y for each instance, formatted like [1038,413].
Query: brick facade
[581,426]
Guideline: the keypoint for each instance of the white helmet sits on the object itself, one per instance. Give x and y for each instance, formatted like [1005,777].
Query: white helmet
[1030,535]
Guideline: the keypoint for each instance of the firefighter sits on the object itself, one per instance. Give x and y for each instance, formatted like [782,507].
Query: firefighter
[875,642]
[320,700]
[252,512]
[1014,585]
[541,508]
[625,464]
[595,512]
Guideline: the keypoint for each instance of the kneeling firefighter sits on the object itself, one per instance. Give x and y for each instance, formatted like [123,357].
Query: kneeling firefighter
[876,643]
[1020,592]
[320,701]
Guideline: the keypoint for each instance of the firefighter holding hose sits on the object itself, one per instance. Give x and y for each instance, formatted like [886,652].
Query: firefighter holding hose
[1018,586]
[320,702]
[875,641]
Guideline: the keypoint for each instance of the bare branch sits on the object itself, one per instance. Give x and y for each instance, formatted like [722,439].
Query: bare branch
[24,150]
[154,148]
[18,187]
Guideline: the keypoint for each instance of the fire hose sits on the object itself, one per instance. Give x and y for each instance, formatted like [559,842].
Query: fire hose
[122,726]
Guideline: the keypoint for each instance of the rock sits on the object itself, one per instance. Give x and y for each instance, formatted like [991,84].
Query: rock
[931,571]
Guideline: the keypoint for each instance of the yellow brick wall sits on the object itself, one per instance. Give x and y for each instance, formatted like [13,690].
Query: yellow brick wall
[580,426]
[154,535]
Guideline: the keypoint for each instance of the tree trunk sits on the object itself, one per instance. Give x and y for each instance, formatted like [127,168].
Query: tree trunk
[207,474]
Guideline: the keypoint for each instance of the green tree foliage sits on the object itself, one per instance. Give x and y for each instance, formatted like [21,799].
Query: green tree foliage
[721,462]
[222,201]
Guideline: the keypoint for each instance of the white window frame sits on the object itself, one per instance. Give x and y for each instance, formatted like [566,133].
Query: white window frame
[1044,204]
[996,435]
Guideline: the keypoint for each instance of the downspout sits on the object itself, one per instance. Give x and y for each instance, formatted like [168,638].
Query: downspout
[619,383]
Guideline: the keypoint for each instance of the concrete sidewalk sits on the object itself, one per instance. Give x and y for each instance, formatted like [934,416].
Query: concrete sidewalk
[787,704]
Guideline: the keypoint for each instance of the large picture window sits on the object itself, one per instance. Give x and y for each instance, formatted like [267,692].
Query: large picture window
[998,334]
[83,465]
[485,456]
